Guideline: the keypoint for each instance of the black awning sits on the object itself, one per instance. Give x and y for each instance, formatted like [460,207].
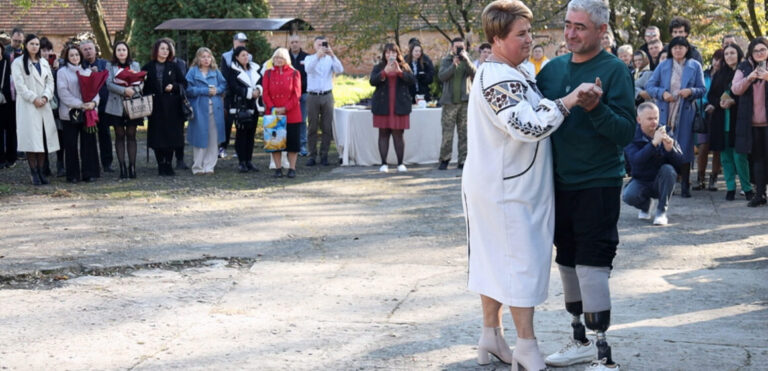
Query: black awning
[235,24]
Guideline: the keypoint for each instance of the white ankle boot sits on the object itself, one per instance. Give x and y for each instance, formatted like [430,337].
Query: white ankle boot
[527,356]
[492,342]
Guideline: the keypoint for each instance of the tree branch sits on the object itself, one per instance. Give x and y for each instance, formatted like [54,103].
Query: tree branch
[740,20]
[435,26]
[753,17]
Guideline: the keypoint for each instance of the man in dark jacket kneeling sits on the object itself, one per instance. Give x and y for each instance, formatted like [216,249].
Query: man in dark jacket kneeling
[654,157]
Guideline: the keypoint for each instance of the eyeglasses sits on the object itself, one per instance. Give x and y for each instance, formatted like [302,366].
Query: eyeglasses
[650,34]
[763,50]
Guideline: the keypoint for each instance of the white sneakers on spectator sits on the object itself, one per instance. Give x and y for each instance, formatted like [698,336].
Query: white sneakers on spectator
[572,353]
[222,153]
[384,168]
[644,215]
[599,365]
[401,168]
[660,219]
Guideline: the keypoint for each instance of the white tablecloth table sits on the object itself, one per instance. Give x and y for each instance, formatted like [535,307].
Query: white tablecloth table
[358,141]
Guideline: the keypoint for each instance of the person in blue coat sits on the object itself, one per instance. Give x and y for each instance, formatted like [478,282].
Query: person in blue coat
[205,88]
[676,84]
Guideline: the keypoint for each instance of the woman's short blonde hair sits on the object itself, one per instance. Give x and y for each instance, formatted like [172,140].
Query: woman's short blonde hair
[199,55]
[282,53]
[499,16]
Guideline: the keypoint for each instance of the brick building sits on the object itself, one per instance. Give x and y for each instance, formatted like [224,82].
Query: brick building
[60,23]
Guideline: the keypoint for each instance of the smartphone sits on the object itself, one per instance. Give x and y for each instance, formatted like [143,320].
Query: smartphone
[761,65]
[392,59]
[51,59]
[325,44]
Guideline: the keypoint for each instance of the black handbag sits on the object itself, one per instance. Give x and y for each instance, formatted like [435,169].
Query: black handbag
[186,107]
[699,123]
[77,116]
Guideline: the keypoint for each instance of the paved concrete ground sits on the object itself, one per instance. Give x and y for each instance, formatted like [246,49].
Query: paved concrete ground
[352,270]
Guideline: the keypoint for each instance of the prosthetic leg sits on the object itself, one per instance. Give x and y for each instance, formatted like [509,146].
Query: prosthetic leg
[593,282]
[579,349]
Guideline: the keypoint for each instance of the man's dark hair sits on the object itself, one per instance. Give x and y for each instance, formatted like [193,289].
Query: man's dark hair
[539,46]
[45,43]
[457,40]
[413,41]
[321,37]
[484,46]
[678,22]
[17,30]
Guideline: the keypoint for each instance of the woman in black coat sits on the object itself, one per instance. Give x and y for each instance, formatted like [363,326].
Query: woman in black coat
[166,125]
[391,103]
[422,69]
[722,124]
[244,83]
[7,115]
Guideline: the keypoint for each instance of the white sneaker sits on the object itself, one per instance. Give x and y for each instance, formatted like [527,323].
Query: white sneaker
[384,168]
[660,219]
[644,215]
[599,365]
[401,168]
[572,353]
[222,153]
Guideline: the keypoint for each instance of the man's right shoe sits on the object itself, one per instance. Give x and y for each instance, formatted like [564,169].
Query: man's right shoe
[644,215]
[600,365]
[443,165]
[660,219]
[756,201]
[749,195]
[242,167]
[311,162]
[730,195]
[572,353]
[324,161]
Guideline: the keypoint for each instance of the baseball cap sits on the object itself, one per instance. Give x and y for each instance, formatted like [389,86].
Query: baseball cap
[240,37]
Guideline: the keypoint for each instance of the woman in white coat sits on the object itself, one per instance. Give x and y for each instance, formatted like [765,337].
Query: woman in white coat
[35,126]
[508,185]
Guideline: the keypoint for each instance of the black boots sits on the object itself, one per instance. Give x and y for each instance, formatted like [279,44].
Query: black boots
[123,171]
[41,174]
[35,175]
[132,171]
[712,182]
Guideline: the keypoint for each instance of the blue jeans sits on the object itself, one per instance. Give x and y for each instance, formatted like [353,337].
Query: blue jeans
[303,126]
[639,193]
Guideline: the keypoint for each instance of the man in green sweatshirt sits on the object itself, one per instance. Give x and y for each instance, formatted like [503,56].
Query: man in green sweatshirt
[589,167]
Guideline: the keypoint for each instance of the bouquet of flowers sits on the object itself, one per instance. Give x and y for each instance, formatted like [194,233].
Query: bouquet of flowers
[90,84]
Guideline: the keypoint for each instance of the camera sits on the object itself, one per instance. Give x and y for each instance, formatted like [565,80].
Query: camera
[325,44]
[459,50]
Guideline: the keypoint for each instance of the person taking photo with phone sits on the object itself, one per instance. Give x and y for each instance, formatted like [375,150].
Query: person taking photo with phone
[456,73]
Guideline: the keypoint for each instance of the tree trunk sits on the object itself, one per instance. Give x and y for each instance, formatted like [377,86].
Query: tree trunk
[753,17]
[734,8]
[95,14]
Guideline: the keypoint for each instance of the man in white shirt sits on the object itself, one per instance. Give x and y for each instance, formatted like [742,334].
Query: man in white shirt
[320,68]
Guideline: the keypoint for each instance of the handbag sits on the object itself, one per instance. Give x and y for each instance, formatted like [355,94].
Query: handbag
[186,107]
[138,106]
[243,116]
[77,116]
[699,123]
[275,132]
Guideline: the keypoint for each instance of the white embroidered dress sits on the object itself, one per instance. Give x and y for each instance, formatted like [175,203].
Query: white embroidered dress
[508,186]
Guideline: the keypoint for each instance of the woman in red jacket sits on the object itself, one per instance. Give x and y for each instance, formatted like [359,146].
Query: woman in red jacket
[282,91]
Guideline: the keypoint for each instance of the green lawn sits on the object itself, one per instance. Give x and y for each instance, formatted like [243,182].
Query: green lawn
[349,90]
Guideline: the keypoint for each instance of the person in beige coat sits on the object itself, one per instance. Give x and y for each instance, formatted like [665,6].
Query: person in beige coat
[36,128]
